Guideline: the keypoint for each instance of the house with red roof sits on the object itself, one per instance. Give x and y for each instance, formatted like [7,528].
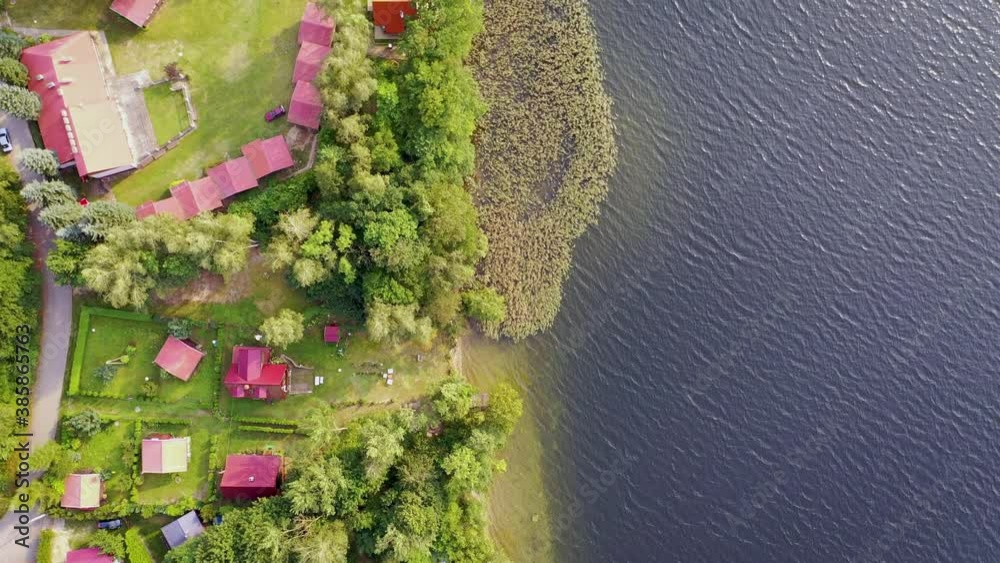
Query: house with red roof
[390,16]
[80,121]
[309,61]
[306,107]
[82,491]
[267,156]
[251,375]
[89,555]
[248,477]
[163,453]
[197,197]
[170,206]
[233,176]
[179,357]
[316,26]
[138,12]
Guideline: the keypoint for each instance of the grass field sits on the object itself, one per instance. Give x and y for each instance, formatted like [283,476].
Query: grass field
[109,338]
[238,54]
[103,453]
[166,108]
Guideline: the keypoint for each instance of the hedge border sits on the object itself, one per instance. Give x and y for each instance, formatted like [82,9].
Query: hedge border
[83,329]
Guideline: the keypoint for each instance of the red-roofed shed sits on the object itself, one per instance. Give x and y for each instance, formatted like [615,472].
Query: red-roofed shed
[331,333]
[233,176]
[307,105]
[309,62]
[390,15]
[83,491]
[316,26]
[197,197]
[267,156]
[89,555]
[248,477]
[138,12]
[179,357]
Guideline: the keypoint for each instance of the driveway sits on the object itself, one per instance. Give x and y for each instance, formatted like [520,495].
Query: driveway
[53,339]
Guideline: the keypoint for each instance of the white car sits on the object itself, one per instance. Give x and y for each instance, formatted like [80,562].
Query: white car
[5,145]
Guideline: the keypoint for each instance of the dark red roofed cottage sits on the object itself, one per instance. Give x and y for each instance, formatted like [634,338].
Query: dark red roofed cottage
[309,62]
[248,477]
[252,376]
[138,12]
[316,26]
[306,106]
[179,358]
[390,15]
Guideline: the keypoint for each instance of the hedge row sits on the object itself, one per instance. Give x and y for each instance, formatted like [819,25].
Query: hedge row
[118,396]
[266,429]
[136,548]
[79,348]
[116,314]
[45,547]
[266,421]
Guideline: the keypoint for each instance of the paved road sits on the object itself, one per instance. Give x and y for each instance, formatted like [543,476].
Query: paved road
[57,317]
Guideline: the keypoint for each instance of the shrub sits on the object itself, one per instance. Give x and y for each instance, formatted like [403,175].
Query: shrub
[105,372]
[84,424]
[137,551]
[179,328]
[13,72]
[150,389]
[45,547]
[173,72]
[108,542]
[20,102]
[283,329]
[11,45]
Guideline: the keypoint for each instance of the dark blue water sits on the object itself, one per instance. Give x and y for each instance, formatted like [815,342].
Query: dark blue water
[780,344]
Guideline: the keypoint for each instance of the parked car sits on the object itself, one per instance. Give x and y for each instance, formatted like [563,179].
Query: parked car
[5,145]
[109,524]
[275,113]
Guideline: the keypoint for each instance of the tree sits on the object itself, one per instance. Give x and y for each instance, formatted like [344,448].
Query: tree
[11,45]
[65,262]
[283,329]
[453,399]
[485,305]
[99,217]
[108,542]
[314,490]
[221,243]
[39,161]
[323,542]
[61,215]
[305,243]
[20,102]
[47,193]
[179,328]
[85,424]
[504,409]
[383,445]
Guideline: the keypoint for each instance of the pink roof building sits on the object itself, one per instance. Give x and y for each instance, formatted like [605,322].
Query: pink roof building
[165,454]
[316,26]
[331,333]
[89,555]
[170,206]
[79,121]
[309,61]
[306,106]
[252,376]
[82,492]
[179,357]
[138,12]
[197,197]
[248,477]
[233,176]
[267,156]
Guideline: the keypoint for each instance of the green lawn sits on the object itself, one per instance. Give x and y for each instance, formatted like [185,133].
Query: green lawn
[239,61]
[149,529]
[108,339]
[103,453]
[164,489]
[166,107]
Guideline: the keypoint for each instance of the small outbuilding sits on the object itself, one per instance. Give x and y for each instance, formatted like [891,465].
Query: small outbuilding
[331,334]
[179,358]
[82,491]
[248,477]
[267,156]
[178,532]
[165,454]
[89,555]
[316,26]
[233,177]
[138,12]
[306,107]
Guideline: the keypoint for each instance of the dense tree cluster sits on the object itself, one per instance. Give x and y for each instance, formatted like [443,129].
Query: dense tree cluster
[402,486]
[40,161]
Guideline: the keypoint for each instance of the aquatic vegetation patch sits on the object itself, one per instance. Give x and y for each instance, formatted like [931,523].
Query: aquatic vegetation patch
[545,151]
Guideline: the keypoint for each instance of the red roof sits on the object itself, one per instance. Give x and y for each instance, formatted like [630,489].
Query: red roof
[165,455]
[89,555]
[179,358]
[309,61]
[170,206]
[136,11]
[251,375]
[307,105]
[316,26]
[267,156]
[197,197]
[233,176]
[82,491]
[79,119]
[389,15]
[331,333]
[250,476]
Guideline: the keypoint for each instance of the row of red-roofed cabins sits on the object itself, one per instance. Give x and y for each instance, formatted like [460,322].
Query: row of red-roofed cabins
[261,158]
[316,32]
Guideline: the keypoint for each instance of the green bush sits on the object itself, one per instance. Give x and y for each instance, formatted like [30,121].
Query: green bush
[45,547]
[136,548]
[13,72]
[20,102]
[83,329]
[265,421]
[11,45]
[266,429]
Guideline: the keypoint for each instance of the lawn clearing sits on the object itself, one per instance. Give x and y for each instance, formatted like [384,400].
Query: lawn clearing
[102,453]
[108,339]
[171,487]
[166,108]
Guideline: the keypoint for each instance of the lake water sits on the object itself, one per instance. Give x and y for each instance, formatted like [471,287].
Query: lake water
[780,342]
